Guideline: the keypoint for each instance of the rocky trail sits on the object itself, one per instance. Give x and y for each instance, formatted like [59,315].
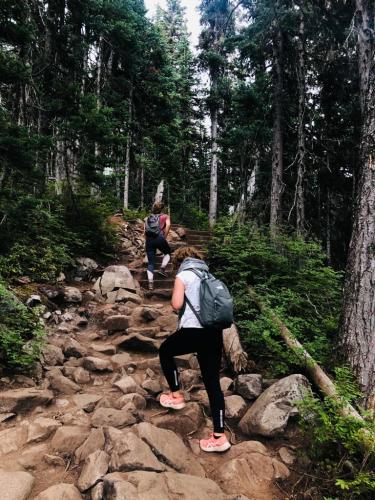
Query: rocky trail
[89,425]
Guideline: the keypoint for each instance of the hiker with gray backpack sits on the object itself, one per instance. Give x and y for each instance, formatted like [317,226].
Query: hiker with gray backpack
[205,309]
[157,227]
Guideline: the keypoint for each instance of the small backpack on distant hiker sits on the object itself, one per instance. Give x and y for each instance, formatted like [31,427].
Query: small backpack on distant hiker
[152,226]
[215,301]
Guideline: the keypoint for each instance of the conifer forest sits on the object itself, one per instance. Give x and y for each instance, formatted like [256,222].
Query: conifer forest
[259,137]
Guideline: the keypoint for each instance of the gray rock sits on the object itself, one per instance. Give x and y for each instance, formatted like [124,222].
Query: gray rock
[85,267]
[170,449]
[136,399]
[95,467]
[74,349]
[81,376]
[12,439]
[225,384]
[116,323]
[152,386]
[72,294]
[190,377]
[127,385]
[108,349]
[115,418]
[86,402]
[185,421]
[15,485]
[93,364]
[270,413]
[249,386]
[62,491]
[114,278]
[19,400]
[62,384]
[94,442]
[150,313]
[131,453]
[68,438]
[33,300]
[235,407]
[52,355]
[41,428]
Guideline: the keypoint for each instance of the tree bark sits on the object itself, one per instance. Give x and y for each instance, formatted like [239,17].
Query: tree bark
[300,185]
[277,148]
[214,160]
[127,153]
[357,339]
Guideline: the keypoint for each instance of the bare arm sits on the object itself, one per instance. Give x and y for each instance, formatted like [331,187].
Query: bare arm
[178,295]
[167,226]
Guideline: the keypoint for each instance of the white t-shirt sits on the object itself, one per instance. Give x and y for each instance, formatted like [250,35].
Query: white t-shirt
[192,284]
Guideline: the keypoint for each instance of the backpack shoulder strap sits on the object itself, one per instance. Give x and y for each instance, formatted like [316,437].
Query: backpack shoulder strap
[192,308]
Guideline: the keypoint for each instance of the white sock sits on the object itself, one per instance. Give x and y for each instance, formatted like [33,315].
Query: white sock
[165,261]
[150,276]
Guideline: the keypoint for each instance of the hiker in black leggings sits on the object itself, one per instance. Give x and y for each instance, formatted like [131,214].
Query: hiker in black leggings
[191,337]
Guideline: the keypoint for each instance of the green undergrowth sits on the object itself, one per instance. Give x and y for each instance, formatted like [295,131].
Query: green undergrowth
[40,237]
[291,276]
[340,467]
[21,333]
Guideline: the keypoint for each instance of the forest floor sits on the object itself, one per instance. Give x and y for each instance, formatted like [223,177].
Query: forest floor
[94,421]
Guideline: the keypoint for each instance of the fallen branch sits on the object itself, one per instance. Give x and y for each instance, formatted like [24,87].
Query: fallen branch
[315,372]
[234,353]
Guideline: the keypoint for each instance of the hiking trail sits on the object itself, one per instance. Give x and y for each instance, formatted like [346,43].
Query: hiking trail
[91,426]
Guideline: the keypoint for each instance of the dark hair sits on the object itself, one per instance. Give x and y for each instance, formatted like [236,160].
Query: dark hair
[183,253]
[157,207]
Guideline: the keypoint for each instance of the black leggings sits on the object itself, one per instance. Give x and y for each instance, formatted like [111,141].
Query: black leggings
[209,346]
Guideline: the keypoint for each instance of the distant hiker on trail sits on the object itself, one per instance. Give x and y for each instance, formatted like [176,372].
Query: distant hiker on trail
[157,226]
[196,310]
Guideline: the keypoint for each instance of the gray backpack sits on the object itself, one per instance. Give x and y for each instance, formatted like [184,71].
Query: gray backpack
[152,226]
[215,302]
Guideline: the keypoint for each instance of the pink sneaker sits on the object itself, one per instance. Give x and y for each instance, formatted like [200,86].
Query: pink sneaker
[170,401]
[212,444]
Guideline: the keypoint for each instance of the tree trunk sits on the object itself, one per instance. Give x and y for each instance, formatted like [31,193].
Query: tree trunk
[300,185]
[127,153]
[357,338]
[277,148]
[214,160]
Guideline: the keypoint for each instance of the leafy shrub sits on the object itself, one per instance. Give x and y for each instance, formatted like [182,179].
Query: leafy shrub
[291,276]
[334,443]
[41,236]
[21,333]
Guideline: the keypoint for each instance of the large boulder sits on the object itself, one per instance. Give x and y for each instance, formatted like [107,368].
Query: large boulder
[251,471]
[19,400]
[116,323]
[62,491]
[170,449]
[113,279]
[93,364]
[15,485]
[270,413]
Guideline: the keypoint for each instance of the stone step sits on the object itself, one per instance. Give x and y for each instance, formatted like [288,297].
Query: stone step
[162,283]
